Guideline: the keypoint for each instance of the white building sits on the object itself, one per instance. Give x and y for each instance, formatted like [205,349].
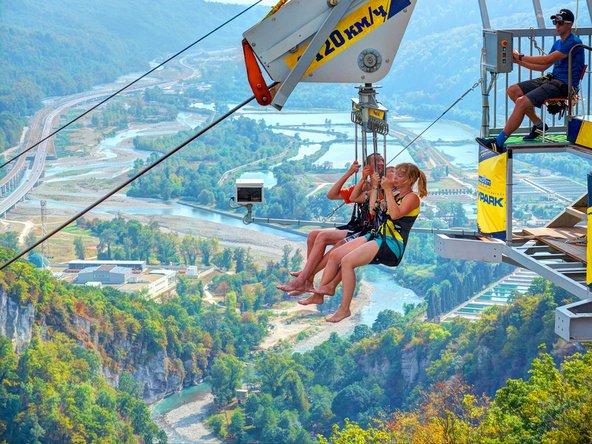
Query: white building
[105,274]
[166,282]
[82,264]
[153,284]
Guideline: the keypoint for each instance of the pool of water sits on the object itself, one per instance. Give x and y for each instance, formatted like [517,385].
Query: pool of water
[269,180]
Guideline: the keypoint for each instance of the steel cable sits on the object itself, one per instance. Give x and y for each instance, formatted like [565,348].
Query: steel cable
[434,122]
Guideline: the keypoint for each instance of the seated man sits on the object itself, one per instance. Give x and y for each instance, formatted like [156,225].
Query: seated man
[532,93]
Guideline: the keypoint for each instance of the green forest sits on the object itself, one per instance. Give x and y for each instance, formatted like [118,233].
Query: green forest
[551,406]
[93,44]
[467,373]
[74,382]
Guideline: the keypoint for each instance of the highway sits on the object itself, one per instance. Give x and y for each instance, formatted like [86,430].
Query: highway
[41,126]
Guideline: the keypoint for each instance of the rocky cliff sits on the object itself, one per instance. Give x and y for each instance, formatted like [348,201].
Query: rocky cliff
[155,373]
[16,321]
[413,365]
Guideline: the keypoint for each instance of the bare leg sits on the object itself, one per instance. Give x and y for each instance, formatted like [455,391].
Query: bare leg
[329,289]
[523,106]
[310,240]
[325,258]
[309,285]
[334,283]
[362,255]
[303,282]
[334,263]
[514,93]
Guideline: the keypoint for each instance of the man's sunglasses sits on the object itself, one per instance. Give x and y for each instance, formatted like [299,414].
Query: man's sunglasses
[559,22]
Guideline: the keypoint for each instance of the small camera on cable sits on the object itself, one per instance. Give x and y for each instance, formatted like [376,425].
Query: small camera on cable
[249,191]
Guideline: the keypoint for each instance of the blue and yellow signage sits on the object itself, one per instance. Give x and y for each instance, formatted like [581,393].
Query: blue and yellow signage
[350,29]
[491,194]
[589,233]
[579,131]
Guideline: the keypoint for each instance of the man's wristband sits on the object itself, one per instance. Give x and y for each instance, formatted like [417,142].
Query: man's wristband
[520,56]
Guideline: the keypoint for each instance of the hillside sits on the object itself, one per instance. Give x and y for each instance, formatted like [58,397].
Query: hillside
[79,364]
[400,365]
[50,49]
[55,49]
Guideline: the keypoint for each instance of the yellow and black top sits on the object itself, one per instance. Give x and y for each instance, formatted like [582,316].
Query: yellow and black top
[400,228]
[392,235]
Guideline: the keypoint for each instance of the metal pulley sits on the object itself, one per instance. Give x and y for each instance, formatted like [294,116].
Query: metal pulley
[371,116]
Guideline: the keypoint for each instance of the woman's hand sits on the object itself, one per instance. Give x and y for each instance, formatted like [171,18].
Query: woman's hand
[366,172]
[386,185]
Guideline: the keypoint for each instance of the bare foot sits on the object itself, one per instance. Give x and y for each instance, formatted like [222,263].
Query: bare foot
[339,315]
[323,289]
[314,299]
[308,287]
[287,287]
[294,286]
[295,273]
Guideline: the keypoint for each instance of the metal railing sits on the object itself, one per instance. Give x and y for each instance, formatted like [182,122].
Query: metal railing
[528,41]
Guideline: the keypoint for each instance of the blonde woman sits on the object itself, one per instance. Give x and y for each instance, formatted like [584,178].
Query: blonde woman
[398,210]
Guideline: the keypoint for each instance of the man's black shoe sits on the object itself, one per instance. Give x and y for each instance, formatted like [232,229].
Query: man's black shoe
[536,131]
[488,143]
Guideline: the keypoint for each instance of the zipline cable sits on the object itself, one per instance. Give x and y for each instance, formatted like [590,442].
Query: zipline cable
[129,84]
[434,122]
[127,182]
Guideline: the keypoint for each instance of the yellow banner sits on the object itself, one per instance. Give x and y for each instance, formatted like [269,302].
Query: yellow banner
[491,193]
[376,113]
[351,29]
[589,234]
[584,137]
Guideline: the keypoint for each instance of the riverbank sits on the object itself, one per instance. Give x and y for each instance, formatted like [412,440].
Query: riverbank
[304,327]
[183,414]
